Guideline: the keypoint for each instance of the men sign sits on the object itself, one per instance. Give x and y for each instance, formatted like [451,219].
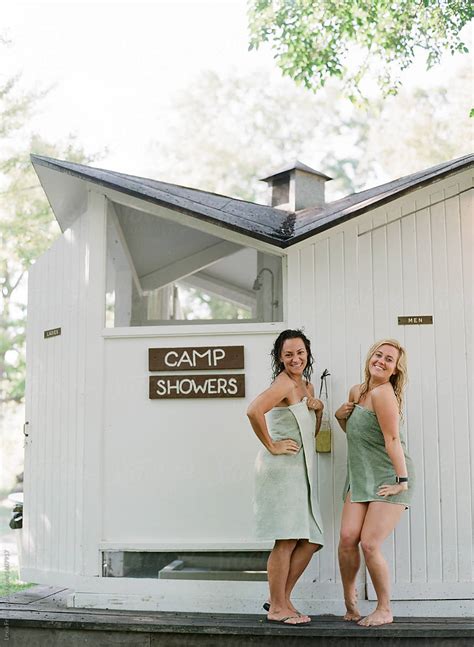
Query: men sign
[200,358]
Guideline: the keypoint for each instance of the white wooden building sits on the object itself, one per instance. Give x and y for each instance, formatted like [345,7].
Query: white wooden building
[147,503]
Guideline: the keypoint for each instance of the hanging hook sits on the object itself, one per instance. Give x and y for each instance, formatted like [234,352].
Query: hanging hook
[324,385]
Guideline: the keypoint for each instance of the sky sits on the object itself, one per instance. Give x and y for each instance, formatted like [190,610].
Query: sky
[113,68]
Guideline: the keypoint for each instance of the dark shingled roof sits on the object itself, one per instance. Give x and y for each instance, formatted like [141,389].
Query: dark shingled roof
[280,228]
[259,221]
[295,166]
[309,221]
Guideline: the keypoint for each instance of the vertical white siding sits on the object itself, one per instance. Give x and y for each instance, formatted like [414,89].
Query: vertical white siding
[323,298]
[59,295]
[347,287]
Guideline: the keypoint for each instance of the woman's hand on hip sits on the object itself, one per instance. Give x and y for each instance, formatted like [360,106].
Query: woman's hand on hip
[345,410]
[286,446]
[315,404]
[391,490]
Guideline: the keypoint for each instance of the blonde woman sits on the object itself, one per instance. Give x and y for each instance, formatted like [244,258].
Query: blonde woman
[380,477]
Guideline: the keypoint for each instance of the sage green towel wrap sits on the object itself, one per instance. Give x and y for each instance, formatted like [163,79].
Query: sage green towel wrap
[286,504]
[368,464]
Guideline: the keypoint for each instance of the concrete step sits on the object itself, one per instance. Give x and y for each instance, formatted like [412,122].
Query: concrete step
[45,621]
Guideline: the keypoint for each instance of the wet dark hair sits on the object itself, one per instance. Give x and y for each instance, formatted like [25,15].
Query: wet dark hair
[277,365]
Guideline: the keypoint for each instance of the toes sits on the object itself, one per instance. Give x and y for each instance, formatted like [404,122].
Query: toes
[364,622]
[352,616]
[374,622]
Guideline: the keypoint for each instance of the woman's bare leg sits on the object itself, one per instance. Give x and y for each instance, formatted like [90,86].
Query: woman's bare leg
[278,567]
[353,515]
[300,558]
[380,520]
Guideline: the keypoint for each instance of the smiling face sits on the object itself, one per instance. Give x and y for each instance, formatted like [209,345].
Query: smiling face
[383,363]
[294,356]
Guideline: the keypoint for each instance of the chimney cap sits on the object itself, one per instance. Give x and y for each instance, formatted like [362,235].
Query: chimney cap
[295,166]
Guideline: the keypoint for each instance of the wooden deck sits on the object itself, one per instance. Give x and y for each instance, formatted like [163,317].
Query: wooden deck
[38,617]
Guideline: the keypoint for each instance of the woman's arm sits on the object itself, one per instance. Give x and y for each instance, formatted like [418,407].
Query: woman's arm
[346,408]
[279,390]
[385,406]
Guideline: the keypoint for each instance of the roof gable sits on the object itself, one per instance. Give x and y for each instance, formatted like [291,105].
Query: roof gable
[258,221]
[275,226]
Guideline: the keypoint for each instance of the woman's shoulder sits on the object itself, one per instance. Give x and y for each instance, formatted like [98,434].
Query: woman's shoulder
[383,394]
[354,392]
[382,390]
[283,380]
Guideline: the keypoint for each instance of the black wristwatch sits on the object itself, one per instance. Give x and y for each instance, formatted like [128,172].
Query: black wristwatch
[401,479]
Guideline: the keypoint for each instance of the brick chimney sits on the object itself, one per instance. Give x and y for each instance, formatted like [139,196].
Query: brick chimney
[295,187]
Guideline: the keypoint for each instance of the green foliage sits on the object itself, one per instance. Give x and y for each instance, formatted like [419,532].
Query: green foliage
[229,131]
[210,307]
[350,40]
[10,584]
[226,132]
[27,226]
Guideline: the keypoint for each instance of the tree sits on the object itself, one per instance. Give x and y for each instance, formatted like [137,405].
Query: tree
[27,227]
[314,41]
[421,127]
[208,306]
[226,132]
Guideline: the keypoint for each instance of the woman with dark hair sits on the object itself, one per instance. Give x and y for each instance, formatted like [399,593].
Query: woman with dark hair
[380,475]
[285,418]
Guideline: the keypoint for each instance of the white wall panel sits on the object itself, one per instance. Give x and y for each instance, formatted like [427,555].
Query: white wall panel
[410,257]
[179,471]
[60,296]
[432,541]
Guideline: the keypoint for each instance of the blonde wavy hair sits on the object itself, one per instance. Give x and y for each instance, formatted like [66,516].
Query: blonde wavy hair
[399,379]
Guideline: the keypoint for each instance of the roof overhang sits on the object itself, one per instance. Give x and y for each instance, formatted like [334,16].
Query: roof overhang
[66,185]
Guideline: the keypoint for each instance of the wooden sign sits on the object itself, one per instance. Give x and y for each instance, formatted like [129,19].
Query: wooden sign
[415,320]
[197,386]
[54,332]
[200,358]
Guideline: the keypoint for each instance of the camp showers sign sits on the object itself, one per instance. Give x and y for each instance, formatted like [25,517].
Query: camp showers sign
[215,384]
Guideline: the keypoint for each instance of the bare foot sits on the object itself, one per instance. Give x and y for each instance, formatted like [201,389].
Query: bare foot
[352,615]
[352,612]
[377,617]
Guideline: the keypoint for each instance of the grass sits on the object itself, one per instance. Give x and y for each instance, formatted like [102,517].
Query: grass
[9,579]
[10,584]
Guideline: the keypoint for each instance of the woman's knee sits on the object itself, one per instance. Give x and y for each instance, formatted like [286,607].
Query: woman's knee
[309,546]
[285,545]
[369,545]
[349,538]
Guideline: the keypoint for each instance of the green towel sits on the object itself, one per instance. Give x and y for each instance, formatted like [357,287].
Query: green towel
[286,504]
[368,464]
